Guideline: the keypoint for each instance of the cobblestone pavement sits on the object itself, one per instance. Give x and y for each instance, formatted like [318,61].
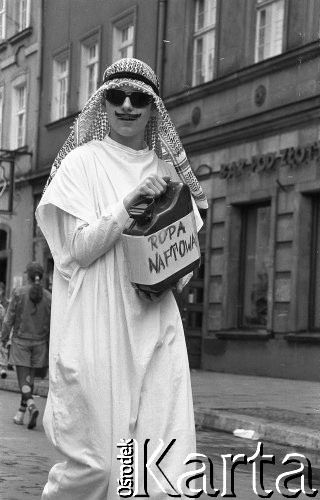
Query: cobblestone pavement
[25,455]
[235,392]
[216,444]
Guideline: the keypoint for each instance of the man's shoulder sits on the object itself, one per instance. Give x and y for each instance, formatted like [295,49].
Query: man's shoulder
[79,156]
[76,153]
[86,148]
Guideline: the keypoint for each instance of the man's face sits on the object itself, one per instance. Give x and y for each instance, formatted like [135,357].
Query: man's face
[127,122]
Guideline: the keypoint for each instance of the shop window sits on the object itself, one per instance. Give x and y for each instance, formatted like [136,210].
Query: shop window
[41,249]
[269,29]
[36,228]
[314,310]
[19,118]
[194,298]
[89,68]
[4,254]
[3,239]
[191,305]
[123,36]
[1,113]
[2,20]
[204,41]
[254,260]
[60,86]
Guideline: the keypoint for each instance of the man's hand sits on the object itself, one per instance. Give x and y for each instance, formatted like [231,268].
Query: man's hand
[149,296]
[152,187]
[183,282]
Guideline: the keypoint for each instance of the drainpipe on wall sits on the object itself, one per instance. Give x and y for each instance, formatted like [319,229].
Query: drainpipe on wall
[39,90]
[36,138]
[161,30]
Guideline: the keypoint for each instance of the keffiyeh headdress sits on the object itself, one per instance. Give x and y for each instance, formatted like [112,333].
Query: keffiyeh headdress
[160,135]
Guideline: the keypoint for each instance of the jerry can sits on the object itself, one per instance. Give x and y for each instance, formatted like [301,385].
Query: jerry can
[160,240]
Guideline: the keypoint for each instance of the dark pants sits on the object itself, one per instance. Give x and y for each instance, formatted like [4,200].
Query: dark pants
[26,380]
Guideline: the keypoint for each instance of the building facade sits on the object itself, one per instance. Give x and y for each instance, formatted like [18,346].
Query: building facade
[80,38]
[240,80]
[20,57]
[251,128]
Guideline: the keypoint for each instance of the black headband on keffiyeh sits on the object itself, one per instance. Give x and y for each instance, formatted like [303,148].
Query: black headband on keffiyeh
[160,135]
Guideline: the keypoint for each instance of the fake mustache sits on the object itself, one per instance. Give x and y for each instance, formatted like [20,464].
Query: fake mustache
[127,116]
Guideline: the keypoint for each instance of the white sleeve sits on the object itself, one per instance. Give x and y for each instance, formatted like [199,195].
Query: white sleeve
[84,243]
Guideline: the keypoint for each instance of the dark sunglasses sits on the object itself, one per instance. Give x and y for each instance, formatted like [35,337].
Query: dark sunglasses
[138,99]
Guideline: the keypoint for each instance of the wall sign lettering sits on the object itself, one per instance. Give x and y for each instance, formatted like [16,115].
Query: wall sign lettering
[293,157]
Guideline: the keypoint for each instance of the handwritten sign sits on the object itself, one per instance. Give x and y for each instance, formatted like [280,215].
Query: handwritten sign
[154,258]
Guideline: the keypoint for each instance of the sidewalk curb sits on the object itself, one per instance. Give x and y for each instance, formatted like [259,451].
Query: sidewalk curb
[266,429]
[206,418]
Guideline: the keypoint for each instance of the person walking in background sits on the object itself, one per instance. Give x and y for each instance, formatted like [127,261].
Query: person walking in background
[4,352]
[28,316]
[118,360]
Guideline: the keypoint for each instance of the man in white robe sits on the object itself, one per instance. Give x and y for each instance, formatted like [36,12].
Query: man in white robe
[118,360]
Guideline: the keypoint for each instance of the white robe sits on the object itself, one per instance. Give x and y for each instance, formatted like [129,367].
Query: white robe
[118,364]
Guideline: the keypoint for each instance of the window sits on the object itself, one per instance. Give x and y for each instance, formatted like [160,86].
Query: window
[22,14]
[60,87]
[269,29]
[21,115]
[3,239]
[204,41]
[1,113]
[7,186]
[194,313]
[89,71]
[19,110]
[2,20]
[253,266]
[123,40]
[314,295]
[16,16]
[191,305]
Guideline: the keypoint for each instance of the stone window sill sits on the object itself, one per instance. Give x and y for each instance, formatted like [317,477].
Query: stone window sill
[306,337]
[21,35]
[3,45]
[244,334]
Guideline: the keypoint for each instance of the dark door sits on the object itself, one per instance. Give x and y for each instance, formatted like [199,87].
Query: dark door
[190,303]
